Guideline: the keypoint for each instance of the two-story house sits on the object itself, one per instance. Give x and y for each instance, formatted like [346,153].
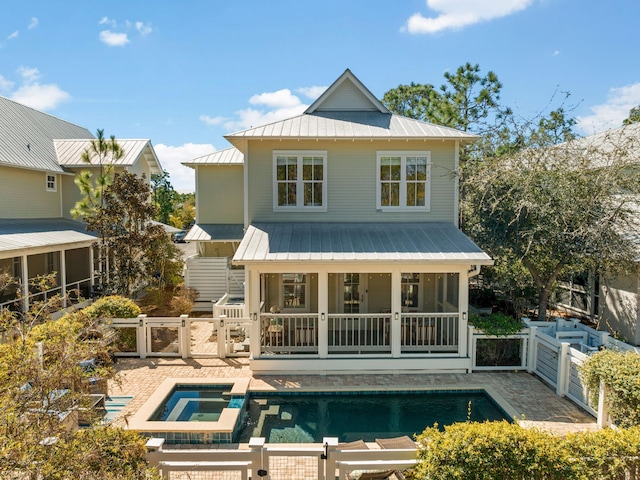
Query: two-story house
[352,254]
[39,158]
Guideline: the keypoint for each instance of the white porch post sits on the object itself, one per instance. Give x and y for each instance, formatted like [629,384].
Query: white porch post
[252,294]
[63,277]
[25,282]
[323,313]
[92,280]
[463,308]
[396,312]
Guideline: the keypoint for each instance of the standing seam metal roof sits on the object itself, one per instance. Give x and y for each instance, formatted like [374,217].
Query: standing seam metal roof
[17,234]
[27,136]
[434,242]
[228,156]
[349,125]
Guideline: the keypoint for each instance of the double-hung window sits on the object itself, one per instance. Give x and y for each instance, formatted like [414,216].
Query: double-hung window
[51,182]
[300,180]
[403,180]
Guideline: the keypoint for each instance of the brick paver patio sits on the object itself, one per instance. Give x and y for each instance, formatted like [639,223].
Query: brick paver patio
[535,403]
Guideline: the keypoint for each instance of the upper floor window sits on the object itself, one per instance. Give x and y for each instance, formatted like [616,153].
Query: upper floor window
[300,180]
[51,183]
[403,180]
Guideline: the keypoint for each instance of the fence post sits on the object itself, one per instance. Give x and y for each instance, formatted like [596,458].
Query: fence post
[185,336]
[142,336]
[471,351]
[563,358]
[604,420]
[222,337]
[256,445]
[532,349]
[154,452]
[329,457]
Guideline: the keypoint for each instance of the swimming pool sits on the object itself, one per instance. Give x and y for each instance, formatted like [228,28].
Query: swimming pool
[309,417]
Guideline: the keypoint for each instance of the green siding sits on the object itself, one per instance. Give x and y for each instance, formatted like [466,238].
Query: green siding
[24,194]
[220,194]
[351,181]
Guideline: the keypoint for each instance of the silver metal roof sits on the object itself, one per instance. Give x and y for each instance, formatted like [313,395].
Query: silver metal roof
[70,153]
[347,242]
[228,156]
[18,234]
[26,136]
[206,232]
[350,125]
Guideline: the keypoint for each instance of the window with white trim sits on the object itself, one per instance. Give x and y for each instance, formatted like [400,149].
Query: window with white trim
[403,180]
[300,180]
[51,183]
[294,292]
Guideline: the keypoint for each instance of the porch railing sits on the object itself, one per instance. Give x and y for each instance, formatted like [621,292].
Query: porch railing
[288,333]
[429,332]
[359,333]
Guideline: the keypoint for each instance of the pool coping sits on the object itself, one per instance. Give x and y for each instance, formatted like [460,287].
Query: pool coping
[225,424]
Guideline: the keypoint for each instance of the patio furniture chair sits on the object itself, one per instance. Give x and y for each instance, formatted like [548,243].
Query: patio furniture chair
[379,475]
[400,443]
[355,445]
[397,443]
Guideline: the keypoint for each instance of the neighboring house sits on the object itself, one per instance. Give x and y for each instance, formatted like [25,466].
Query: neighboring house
[39,157]
[352,253]
[219,228]
[612,302]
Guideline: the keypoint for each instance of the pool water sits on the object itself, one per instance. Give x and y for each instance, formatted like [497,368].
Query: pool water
[193,404]
[308,418]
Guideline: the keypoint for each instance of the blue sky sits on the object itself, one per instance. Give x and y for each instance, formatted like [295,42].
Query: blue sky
[184,73]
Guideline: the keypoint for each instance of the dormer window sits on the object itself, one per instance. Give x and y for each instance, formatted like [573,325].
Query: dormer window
[300,180]
[51,183]
[403,181]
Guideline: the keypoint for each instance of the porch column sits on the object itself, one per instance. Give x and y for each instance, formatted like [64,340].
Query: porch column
[396,312]
[63,277]
[92,280]
[323,312]
[25,282]
[252,295]
[463,309]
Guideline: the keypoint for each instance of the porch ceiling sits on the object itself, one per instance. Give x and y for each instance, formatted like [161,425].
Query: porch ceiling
[348,242]
[22,234]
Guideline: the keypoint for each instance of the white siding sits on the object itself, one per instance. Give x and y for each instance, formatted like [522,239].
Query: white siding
[211,278]
[352,175]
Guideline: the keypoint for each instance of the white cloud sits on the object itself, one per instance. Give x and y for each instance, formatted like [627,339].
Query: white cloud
[611,113]
[29,74]
[107,21]
[40,97]
[211,120]
[143,29]
[455,14]
[33,23]
[13,35]
[5,85]
[113,39]
[312,92]
[280,99]
[182,178]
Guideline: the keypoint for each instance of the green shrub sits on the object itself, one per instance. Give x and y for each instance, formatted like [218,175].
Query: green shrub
[620,372]
[490,450]
[497,324]
[114,306]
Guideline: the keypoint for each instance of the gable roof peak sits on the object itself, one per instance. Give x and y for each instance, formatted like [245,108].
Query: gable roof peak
[347,93]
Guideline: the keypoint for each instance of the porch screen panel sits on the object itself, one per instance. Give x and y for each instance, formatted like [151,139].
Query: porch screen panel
[287,177]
